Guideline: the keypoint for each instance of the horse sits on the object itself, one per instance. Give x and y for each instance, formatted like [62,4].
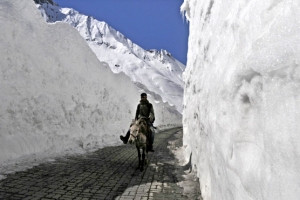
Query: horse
[138,136]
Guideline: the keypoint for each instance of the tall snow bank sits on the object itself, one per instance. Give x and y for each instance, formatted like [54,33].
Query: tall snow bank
[55,94]
[242,97]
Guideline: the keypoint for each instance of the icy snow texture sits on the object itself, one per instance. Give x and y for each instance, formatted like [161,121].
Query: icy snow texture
[242,95]
[55,94]
[158,71]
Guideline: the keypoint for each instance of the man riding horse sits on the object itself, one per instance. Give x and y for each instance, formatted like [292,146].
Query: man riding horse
[144,110]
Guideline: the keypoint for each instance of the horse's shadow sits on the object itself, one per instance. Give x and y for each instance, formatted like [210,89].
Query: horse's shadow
[160,172]
[162,169]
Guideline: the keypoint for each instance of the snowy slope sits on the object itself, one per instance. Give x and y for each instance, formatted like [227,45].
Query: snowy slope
[55,94]
[242,97]
[158,71]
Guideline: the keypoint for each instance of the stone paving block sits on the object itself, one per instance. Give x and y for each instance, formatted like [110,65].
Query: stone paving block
[126,197]
[65,197]
[30,198]
[61,192]
[102,197]
[84,194]
[155,190]
[12,190]
[78,198]
[56,196]
[39,194]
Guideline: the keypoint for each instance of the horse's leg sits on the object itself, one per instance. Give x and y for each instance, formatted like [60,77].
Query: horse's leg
[146,155]
[143,160]
[139,155]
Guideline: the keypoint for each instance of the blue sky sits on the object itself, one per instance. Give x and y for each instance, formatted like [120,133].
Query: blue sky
[151,24]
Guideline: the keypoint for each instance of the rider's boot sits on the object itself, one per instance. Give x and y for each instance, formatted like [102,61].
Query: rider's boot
[150,148]
[125,139]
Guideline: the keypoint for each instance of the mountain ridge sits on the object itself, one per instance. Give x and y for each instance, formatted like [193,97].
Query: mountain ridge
[157,70]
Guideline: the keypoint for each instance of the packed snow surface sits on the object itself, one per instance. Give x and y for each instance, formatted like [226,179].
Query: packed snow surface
[56,96]
[242,97]
[158,71]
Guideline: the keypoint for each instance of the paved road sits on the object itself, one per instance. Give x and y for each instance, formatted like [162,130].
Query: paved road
[108,173]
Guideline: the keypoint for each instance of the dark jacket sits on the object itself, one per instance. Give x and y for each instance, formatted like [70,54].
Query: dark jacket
[145,110]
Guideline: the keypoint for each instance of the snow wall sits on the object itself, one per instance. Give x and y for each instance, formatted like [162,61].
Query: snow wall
[55,94]
[242,95]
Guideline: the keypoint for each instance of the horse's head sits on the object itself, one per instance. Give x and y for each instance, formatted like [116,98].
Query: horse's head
[134,132]
[142,122]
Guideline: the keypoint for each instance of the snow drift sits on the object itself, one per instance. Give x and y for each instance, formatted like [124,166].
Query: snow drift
[55,94]
[242,92]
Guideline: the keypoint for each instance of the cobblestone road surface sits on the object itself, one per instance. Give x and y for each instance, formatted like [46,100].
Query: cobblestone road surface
[108,173]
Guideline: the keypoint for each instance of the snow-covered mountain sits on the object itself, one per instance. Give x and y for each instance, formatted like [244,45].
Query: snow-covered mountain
[156,71]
